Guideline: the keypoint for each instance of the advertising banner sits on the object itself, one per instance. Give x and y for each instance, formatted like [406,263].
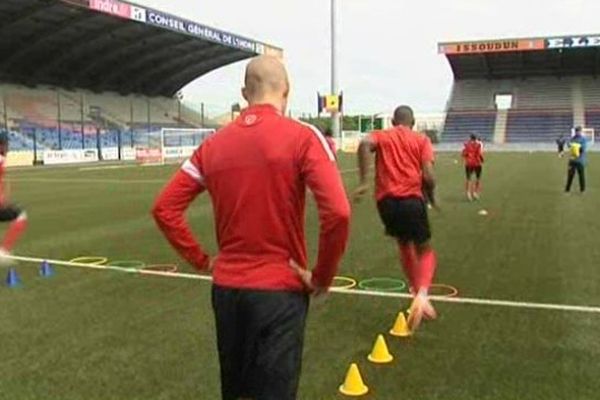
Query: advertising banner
[174,23]
[19,158]
[148,156]
[573,42]
[54,157]
[179,152]
[112,7]
[491,46]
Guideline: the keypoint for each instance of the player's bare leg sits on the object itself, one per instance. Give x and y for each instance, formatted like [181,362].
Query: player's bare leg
[469,190]
[421,307]
[409,261]
[15,230]
[477,191]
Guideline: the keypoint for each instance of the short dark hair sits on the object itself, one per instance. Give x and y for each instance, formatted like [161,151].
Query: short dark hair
[404,115]
[578,129]
[473,136]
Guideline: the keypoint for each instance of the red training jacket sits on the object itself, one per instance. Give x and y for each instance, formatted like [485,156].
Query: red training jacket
[473,153]
[256,171]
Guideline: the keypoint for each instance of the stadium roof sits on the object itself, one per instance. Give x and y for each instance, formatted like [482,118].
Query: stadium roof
[111,45]
[521,58]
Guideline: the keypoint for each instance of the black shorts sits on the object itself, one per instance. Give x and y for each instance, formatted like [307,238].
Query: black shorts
[469,171]
[405,219]
[260,337]
[9,212]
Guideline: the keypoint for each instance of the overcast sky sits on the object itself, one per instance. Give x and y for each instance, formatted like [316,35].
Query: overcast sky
[387,48]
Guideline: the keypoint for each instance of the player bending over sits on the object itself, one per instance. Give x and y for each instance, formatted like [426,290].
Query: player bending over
[473,157]
[403,171]
[8,212]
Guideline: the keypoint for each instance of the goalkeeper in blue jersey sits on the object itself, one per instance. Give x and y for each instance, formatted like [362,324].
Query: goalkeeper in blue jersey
[577,159]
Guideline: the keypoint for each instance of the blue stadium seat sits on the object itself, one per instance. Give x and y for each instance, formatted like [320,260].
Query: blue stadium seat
[460,124]
[537,126]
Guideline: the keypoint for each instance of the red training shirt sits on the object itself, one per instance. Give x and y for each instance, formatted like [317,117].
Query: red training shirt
[331,144]
[256,171]
[400,153]
[473,153]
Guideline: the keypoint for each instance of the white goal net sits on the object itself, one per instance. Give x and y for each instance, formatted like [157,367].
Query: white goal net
[590,135]
[169,145]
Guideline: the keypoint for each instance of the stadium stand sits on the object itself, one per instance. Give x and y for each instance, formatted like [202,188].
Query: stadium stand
[552,83]
[90,74]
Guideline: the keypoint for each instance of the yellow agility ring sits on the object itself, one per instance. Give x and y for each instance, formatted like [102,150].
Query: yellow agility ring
[91,260]
[343,282]
[441,290]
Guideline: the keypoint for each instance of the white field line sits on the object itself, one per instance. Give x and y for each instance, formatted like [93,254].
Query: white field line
[108,167]
[86,181]
[118,181]
[368,293]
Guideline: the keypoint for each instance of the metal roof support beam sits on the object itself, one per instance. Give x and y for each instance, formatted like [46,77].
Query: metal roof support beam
[486,66]
[25,14]
[181,62]
[142,61]
[84,43]
[41,38]
[173,84]
[105,60]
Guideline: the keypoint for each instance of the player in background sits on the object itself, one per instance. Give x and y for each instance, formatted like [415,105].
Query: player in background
[8,211]
[577,160]
[403,171]
[472,155]
[330,141]
[256,171]
[560,143]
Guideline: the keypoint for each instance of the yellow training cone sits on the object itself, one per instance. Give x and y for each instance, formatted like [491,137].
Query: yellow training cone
[400,328]
[353,384]
[380,353]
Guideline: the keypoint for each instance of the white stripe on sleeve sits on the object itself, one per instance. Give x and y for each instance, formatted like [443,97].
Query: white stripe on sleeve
[321,138]
[189,168]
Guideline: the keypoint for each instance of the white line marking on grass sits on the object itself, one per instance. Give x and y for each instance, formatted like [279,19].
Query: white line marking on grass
[368,293]
[86,181]
[108,167]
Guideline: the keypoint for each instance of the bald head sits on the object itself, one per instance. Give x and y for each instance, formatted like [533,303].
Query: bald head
[266,81]
[404,116]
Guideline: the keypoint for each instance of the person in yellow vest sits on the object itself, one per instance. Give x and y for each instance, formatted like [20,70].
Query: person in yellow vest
[577,160]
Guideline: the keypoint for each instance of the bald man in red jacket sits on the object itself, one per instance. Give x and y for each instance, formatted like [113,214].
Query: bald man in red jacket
[256,171]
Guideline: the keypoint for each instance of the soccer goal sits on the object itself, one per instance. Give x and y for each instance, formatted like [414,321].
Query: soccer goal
[169,145]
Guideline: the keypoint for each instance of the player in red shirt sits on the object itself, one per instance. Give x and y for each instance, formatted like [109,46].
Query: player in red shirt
[473,158]
[256,171]
[8,212]
[403,171]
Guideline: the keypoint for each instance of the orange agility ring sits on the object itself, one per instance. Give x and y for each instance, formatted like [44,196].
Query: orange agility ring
[160,268]
[441,290]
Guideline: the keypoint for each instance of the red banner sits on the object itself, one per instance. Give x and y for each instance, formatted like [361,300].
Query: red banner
[112,7]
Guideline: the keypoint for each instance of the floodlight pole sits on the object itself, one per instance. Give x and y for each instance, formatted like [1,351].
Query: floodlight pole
[335,116]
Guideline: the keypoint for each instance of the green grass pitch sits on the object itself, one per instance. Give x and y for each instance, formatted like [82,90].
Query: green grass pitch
[107,335]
